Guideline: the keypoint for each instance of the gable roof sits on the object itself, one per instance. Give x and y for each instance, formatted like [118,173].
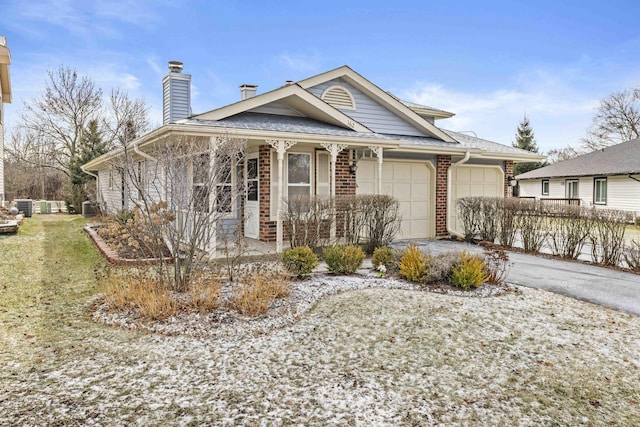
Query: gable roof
[383,98]
[294,97]
[619,159]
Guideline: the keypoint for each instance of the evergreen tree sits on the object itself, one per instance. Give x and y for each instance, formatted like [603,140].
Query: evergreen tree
[525,140]
[91,146]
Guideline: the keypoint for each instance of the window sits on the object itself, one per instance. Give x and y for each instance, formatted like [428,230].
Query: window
[252,180]
[200,186]
[545,187]
[600,191]
[298,174]
[224,184]
[571,189]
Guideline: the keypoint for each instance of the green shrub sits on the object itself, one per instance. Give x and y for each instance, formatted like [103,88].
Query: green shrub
[382,256]
[469,272]
[300,261]
[343,259]
[414,264]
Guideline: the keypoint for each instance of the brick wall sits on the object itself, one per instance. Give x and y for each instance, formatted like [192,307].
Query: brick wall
[267,227]
[345,185]
[508,171]
[443,162]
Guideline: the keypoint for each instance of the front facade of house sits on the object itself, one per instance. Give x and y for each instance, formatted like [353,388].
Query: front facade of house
[604,179]
[332,134]
[5,97]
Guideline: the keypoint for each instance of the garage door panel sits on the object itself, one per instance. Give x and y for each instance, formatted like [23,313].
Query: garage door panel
[411,184]
[484,181]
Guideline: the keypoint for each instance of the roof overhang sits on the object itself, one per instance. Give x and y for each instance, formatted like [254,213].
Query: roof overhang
[5,81]
[294,97]
[382,97]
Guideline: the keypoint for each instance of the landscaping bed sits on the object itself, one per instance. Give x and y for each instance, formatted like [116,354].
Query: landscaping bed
[376,356]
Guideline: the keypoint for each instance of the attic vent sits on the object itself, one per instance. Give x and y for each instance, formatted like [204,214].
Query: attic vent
[339,97]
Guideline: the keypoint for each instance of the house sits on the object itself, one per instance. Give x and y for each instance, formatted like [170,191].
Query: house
[5,97]
[343,135]
[608,178]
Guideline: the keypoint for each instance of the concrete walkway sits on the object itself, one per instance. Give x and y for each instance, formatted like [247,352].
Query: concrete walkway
[598,285]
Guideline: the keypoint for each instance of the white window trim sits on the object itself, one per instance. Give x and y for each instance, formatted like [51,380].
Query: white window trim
[273,216]
[567,185]
[548,187]
[596,180]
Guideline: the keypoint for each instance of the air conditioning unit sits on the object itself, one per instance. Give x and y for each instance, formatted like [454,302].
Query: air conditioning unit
[25,206]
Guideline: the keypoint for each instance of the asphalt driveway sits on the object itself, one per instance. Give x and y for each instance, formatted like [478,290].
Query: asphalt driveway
[598,285]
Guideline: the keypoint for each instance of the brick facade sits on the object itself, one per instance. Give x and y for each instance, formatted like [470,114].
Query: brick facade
[443,162]
[345,186]
[267,227]
[508,171]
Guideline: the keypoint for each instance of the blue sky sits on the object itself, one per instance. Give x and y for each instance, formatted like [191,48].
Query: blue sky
[489,61]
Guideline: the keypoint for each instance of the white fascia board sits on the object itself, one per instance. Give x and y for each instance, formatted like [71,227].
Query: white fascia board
[316,107]
[379,95]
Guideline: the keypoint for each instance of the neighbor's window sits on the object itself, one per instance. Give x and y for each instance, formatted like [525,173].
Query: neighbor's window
[600,191]
[298,174]
[545,187]
[571,189]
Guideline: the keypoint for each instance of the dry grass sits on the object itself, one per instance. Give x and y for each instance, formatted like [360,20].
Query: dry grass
[256,290]
[141,292]
[205,293]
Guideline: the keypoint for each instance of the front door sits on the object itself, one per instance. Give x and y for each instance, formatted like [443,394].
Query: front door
[252,198]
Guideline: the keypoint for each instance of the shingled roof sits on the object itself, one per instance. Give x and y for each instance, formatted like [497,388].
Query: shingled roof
[620,159]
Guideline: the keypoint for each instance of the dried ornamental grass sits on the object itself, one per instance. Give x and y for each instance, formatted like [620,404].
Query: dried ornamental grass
[255,292]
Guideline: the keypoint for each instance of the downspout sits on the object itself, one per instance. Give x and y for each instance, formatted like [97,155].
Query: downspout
[465,159]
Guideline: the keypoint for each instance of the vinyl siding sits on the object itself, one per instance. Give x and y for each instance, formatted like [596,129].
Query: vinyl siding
[176,95]
[623,193]
[276,107]
[368,112]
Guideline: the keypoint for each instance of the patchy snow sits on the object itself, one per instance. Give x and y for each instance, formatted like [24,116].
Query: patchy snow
[370,352]
[304,295]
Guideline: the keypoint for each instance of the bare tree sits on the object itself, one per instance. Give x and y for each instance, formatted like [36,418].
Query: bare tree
[56,120]
[184,191]
[561,154]
[617,120]
[125,119]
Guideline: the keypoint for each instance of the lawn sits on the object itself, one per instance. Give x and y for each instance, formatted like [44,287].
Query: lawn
[366,357]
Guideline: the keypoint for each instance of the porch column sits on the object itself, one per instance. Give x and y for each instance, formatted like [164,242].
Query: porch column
[281,147]
[334,150]
[378,152]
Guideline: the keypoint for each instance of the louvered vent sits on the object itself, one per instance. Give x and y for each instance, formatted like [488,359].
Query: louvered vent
[339,97]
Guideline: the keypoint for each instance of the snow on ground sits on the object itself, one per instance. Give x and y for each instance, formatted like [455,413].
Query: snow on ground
[370,352]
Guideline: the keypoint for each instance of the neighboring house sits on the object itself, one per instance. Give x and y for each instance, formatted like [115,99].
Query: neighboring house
[5,97]
[608,178]
[344,136]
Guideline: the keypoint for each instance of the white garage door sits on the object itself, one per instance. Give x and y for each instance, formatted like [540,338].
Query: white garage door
[411,184]
[466,181]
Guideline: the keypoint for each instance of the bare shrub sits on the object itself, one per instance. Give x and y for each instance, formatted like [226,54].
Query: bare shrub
[489,223]
[632,256]
[569,229]
[307,220]
[531,220]
[507,221]
[607,235]
[468,209]
[372,219]
[496,262]
[257,289]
